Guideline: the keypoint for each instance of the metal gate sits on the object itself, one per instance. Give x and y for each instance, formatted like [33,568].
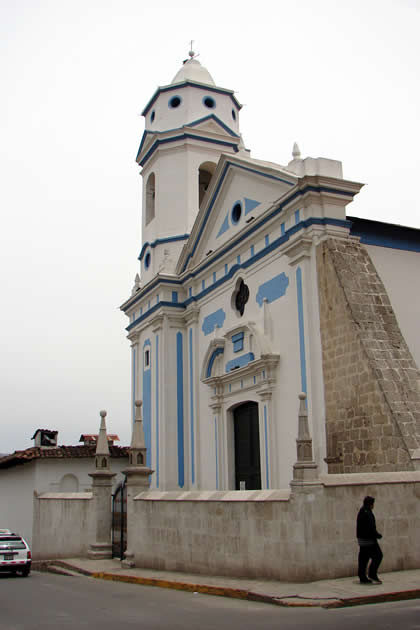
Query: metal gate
[119,521]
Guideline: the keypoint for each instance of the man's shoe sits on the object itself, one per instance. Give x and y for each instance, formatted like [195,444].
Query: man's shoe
[375,580]
[365,581]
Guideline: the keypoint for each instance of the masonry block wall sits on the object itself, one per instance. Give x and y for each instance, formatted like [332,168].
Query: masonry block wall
[310,535]
[63,525]
[372,384]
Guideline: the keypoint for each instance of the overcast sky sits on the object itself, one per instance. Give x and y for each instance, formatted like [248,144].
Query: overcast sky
[341,78]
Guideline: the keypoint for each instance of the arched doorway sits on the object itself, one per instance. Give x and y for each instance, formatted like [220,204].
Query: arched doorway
[247,447]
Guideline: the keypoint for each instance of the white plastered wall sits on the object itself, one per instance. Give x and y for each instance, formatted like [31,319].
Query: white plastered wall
[399,271]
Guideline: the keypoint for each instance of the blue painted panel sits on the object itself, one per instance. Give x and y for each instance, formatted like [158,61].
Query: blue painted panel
[211,321]
[297,216]
[238,342]
[192,408]
[301,329]
[226,268]
[224,227]
[175,297]
[214,276]
[189,291]
[272,289]
[252,250]
[180,407]
[266,446]
[211,361]
[157,412]
[238,259]
[239,362]
[157,299]
[147,405]
[267,240]
[203,285]
[250,204]
[283,228]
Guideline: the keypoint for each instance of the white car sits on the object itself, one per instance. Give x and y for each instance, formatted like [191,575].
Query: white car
[15,555]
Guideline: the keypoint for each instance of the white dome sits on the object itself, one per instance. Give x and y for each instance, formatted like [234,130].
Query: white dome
[192,70]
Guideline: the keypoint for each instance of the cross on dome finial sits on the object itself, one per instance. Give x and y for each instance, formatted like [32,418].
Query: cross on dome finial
[192,54]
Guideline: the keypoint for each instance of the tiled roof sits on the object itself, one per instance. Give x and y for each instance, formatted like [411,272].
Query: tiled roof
[59,452]
[94,436]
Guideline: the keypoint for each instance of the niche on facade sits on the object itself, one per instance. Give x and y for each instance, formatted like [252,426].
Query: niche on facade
[69,483]
[205,173]
[150,197]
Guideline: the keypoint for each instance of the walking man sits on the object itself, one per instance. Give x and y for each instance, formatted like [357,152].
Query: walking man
[367,537]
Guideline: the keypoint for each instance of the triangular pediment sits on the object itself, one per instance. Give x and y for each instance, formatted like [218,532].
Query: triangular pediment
[241,191]
[211,124]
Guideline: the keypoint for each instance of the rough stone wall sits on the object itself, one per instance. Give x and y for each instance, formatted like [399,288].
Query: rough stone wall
[372,384]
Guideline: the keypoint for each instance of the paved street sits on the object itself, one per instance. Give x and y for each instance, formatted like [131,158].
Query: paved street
[46,601]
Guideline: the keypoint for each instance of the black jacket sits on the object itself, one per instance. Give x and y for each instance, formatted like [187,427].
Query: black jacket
[366,527]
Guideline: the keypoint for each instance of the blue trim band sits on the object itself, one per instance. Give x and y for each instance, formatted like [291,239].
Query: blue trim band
[301,329]
[385,234]
[256,225]
[133,384]
[244,265]
[215,353]
[159,241]
[217,120]
[182,136]
[192,408]
[147,404]
[157,411]
[180,407]
[154,308]
[184,84]
[194,123]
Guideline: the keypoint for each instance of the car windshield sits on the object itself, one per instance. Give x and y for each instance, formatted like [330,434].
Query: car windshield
[11,542]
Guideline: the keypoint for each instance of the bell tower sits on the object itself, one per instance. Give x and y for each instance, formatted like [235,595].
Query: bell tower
[188,125]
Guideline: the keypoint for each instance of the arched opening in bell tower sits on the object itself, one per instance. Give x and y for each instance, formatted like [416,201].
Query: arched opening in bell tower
[205,173]
[150,197]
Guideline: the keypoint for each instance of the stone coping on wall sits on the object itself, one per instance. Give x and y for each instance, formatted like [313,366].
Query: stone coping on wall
[215,495]
[359,479]
[65,495]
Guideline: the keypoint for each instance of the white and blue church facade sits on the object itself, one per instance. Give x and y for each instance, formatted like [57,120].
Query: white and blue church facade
[229,318]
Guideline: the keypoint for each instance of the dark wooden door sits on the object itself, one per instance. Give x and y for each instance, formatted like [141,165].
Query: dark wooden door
[247,446]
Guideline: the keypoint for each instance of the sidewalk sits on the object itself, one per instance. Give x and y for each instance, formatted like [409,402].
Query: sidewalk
[333,593]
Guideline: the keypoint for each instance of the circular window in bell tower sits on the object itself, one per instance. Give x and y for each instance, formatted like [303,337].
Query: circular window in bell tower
[174,102]
[209,102]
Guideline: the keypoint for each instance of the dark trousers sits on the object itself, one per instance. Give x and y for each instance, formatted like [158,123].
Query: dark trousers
[366,553]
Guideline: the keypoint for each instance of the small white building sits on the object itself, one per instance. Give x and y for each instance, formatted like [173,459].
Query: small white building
[46,467]
[256,286]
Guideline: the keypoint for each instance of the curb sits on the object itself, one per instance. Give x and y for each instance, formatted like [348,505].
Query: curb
[234,593]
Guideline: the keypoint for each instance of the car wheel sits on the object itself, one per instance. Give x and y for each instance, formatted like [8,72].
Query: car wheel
[26,571]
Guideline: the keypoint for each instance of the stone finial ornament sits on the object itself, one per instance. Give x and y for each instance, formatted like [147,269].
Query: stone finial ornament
[138,444]
[102,448]
[296,151]
[136,286]
[305,471]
